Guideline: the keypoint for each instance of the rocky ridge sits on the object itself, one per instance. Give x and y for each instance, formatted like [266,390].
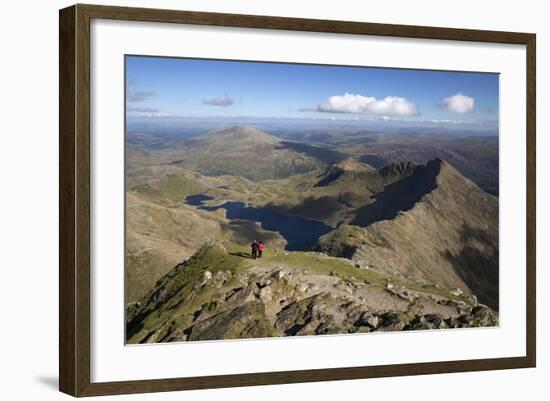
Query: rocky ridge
[218,294]
[434,225]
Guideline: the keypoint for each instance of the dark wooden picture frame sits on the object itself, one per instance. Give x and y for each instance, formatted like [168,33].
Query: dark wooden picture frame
[74,199]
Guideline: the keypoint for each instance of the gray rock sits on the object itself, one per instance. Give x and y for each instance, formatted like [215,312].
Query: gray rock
[266,294]
[363,329]
[160,295]
[393,321]
[242,278]
[484,316]
[368,319]
[245,321]
[419,323]
[279,274]
[205,278]
[457,292]
[436,321]
[265,282]
[303,288]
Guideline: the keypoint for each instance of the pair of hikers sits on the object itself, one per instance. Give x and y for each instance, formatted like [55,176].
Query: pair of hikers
[257,249]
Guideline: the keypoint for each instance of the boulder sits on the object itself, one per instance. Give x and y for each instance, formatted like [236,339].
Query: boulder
[484,316]
[245,321]
[393,321]
[368,319]
[266,294]
[457,292]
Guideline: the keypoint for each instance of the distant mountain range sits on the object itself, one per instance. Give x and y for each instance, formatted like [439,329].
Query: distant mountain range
[473,155]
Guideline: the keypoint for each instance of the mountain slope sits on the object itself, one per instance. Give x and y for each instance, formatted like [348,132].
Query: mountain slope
[245,152]
[339,190]
[348,173]
[234,138]
[435,226]
[162,229]
[219,294]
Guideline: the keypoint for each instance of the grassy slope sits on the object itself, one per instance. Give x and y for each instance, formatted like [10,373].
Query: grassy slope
[159,237]
[162,231]
[180,297]
[178,285]
[321,264]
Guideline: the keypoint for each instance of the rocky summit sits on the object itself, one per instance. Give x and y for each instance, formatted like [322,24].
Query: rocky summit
[219,293]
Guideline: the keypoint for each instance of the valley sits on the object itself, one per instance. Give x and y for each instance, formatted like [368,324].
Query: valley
[363,231]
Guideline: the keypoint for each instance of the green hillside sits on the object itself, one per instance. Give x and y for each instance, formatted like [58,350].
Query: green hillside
[219,293]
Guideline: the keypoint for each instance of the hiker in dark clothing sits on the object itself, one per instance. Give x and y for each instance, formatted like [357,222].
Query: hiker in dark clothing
[260,249]
[254,247]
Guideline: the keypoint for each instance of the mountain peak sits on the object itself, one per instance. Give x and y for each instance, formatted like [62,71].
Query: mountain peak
[448,177]
[350,169]
[398,170]
[434,218]
[240,133]
[244,151]
[432,171]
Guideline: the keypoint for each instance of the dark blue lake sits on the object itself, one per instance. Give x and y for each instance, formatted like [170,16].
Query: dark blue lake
[300,233]
[197,200]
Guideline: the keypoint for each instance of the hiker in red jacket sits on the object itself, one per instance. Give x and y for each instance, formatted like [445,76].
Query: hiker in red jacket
[260,249]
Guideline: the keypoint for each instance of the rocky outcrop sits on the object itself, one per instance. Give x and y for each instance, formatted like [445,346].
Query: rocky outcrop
[397,171]
[350,173]
[216,295]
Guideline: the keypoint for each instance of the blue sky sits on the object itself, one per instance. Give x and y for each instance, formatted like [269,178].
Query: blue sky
[210,88]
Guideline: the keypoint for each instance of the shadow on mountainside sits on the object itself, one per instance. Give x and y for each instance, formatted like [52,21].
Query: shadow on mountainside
[243,232]
[477,265]
[321,153]
[399,196]
[321,208]
[241,254]
[374,160]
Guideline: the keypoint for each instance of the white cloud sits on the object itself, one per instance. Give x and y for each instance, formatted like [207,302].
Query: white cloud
[350,103]
[219,101]
[458,104]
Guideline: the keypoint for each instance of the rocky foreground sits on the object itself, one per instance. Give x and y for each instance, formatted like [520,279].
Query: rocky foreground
[219,293]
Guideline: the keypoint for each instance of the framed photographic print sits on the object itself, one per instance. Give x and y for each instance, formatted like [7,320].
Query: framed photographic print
[250,200]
